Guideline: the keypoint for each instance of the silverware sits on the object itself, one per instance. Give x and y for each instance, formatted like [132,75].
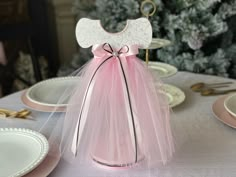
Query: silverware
[6,113]
[211,92]
[198,87]
[3,115]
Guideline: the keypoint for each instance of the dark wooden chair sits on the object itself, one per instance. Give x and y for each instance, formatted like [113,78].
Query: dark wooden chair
[26,20]
[15,24]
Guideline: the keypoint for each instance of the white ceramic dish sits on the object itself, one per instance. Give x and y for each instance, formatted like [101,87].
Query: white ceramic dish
[44,96]
[174,95]
[21,150]
[230,104]
[159,43]
[48,91]
[162,70]
[222,114]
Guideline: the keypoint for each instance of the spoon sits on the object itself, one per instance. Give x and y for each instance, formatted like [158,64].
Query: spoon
[210,91]
[199,86]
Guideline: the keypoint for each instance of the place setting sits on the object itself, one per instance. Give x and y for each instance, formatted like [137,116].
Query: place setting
[224,107]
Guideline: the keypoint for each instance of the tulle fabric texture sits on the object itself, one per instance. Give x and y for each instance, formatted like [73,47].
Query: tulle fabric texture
[108,133]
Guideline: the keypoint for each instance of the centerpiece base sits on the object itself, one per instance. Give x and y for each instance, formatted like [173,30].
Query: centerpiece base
[105,164]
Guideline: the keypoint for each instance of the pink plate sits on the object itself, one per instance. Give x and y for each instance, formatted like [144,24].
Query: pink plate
[47,165]
[221,113]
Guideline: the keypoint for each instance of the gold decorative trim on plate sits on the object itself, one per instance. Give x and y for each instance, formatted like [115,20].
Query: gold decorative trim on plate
[175,96]
[162,70]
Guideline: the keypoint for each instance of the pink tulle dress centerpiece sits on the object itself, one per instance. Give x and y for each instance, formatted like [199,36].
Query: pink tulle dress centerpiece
[117,115]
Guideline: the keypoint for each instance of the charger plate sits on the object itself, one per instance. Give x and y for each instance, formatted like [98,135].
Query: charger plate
[222,114]
[21,150]
[162,70]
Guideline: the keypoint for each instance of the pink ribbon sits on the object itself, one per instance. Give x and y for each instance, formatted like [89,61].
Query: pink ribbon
[105,51]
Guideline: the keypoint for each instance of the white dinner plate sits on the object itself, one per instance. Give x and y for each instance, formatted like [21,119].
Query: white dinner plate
[44,96]
[159,43]
[162,70]
[21,150]
[174,95]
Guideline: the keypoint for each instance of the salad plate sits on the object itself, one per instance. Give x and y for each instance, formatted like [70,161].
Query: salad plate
[45,95]
[162,70]
[175,95]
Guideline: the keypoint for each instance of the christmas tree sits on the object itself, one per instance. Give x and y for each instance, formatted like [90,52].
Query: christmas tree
[202,32]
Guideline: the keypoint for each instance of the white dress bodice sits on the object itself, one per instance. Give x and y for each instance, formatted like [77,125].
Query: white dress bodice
[136,32]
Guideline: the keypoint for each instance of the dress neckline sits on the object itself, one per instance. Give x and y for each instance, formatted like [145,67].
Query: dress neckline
[116,33]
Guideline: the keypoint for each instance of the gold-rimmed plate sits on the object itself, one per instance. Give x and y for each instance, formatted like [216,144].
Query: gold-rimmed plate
[175,95]
[162,70]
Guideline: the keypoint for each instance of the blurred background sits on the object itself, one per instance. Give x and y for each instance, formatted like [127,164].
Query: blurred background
[37,38]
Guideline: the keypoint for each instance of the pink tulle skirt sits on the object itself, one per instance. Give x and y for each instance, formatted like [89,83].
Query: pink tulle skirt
[118,117]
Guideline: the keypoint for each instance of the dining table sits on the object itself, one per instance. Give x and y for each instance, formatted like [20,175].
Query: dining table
[204,145]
